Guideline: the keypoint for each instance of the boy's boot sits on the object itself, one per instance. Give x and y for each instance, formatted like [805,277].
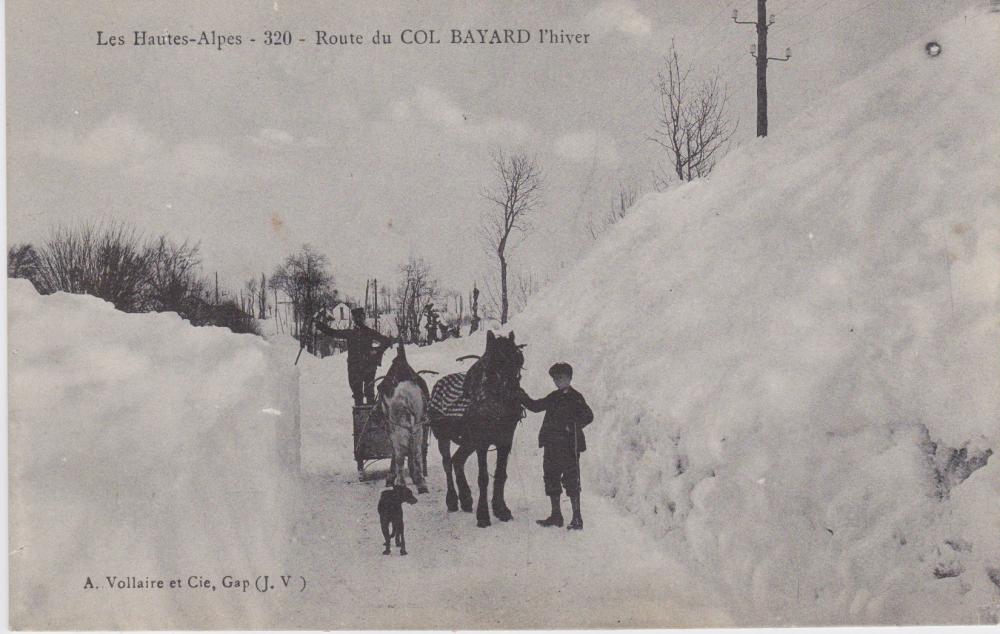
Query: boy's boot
[556,518]
[576,523]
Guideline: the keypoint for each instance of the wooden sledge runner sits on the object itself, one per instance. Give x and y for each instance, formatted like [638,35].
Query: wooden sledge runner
[371,441]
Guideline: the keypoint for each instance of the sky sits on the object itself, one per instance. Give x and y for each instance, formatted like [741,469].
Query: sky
[373,154]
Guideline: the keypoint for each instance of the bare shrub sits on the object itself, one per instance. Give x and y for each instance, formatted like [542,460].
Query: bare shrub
[108,261]
[619,208]
[23,262]
[692,125]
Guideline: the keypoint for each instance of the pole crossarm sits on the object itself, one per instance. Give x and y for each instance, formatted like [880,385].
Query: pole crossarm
[788,56]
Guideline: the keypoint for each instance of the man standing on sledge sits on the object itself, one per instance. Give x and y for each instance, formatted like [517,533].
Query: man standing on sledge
[365,347]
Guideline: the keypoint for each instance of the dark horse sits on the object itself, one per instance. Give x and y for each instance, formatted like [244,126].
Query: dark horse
[477,410]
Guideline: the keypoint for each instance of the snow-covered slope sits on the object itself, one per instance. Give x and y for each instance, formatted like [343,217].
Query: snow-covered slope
[141,446]
[796,363]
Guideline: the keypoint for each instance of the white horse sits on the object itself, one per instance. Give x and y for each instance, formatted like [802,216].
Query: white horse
[403,403]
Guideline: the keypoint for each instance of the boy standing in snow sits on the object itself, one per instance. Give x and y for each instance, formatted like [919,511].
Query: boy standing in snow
[562,440]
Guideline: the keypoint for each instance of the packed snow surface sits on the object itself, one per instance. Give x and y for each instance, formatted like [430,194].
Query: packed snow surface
[511,575]
[795,363]
[141,446]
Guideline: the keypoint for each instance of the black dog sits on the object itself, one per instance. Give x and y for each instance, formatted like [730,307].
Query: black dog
[390,514]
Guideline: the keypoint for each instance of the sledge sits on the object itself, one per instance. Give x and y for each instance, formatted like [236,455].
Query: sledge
[371,440]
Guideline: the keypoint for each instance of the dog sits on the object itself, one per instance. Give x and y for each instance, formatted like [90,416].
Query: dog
[390,515]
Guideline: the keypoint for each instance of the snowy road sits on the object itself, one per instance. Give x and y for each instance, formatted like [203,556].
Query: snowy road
[456,575]
[511,575]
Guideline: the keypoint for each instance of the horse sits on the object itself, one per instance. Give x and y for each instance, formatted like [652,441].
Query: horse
[476,410]
[402,402]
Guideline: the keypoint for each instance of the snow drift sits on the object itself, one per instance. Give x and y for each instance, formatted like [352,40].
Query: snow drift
[795,363]
[141,446]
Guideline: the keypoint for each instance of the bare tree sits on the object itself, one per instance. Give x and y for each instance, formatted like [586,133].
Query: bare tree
[416,288]
[692,123]
[306,280]
[23,262]
[385,300]
[515,195]
[620,206]
[262,305]
[249,295]
[174,276]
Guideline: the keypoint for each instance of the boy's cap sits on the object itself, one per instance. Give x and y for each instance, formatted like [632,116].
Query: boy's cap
[561,369]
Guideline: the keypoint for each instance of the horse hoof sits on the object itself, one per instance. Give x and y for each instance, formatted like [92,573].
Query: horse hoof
[482,523]
[504,515]
[467,506]
[385,552]
[402,552]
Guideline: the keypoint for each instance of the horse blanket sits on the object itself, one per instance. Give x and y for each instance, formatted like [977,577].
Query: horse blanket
[448,400]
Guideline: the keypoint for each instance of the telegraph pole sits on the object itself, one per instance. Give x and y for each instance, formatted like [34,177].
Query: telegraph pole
[375,293]
[759,51]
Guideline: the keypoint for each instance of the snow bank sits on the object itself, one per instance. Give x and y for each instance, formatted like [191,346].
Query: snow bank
[795,363]
[327,432]
[141,446]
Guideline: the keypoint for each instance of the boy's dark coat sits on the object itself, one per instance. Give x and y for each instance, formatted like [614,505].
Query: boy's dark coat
[564,412]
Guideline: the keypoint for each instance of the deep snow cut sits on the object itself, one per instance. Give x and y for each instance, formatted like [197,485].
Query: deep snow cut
[795,362]
[144,447]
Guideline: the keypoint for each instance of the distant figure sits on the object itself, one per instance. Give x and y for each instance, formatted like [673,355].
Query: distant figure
[443,328]
[431,325]
[561,437]
[474,321]
[365,347]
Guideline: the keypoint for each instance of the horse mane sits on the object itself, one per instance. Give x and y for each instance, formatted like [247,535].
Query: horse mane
[476,374]
[400,371]
[473,379]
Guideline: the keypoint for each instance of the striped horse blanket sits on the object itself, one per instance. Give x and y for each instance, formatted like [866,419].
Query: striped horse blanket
[448,399]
